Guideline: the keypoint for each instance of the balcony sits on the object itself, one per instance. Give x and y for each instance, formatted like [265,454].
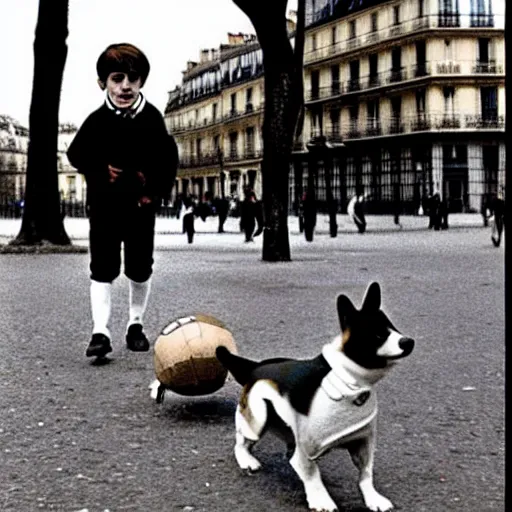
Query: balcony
[481,20]
[485,121]
[405,28]
[202,160]
[372,37]
[396,30]
[353,43]
[405,76]
[448,20]
[354,84]
[449,121]
[396,126]
[420,124]
[397,75]
[438,122]
[490,68]
[448,68]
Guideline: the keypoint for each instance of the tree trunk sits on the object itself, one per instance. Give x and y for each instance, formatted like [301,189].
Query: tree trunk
[42,220]
[282,105]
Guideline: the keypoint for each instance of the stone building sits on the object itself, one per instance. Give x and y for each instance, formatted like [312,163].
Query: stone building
[404,98]
[14,139]
[216,116]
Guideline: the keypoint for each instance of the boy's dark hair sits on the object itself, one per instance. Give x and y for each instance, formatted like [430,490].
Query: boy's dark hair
[123,58]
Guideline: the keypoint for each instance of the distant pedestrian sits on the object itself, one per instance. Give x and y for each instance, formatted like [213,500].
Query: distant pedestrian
[498,219]
[355,210]
[248,214]
[221,206]
[129,162]
[189,218]
[178,205]
[434,205]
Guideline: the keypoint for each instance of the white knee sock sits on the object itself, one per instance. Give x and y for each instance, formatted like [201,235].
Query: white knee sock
[100,307]
[139,293]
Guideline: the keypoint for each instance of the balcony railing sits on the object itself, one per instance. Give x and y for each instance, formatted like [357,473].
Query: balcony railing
[402,76]
[481,20]
[421,123]
[412,26]
[488,68]
[449,19]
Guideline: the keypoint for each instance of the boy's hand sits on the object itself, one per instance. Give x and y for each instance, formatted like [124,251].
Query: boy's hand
[144,200]
[113,173]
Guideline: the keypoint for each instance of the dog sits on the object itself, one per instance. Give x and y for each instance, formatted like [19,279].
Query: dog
[326,402]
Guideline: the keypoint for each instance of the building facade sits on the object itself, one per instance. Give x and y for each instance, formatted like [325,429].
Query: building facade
[14,139]
[216,116]
[404,98]
[13,161]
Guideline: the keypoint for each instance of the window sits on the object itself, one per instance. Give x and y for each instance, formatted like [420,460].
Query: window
[333,35]
[335,121]
[373,61]
[198,147]
[396,64]
[233,140]
[421,58]
[335,79]
[449,95]
[354,75]
[352,29]
[214,112]
[373,124]
[483,50]
[421,9]
[315,84]
[248,100]
[313,42]
[374,22]
[233,103]
[396,15]
[489,103]
[249,142]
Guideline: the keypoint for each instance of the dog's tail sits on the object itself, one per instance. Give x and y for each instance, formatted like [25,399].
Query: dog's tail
[240,367]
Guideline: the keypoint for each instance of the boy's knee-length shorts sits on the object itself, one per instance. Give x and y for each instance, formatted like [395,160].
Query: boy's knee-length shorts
[131,229]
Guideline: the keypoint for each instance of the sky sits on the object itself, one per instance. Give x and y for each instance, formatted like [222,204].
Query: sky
[169,32]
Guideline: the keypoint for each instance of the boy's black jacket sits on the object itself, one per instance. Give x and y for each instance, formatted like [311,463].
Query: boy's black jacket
[138,144]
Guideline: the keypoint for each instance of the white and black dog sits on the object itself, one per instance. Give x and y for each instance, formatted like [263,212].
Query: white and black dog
[322,403]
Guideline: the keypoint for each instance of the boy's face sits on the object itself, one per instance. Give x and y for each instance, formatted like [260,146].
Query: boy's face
[123,88]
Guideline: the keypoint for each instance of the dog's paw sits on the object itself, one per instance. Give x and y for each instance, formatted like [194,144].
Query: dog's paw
[246,461]
[321,504]
[378,503]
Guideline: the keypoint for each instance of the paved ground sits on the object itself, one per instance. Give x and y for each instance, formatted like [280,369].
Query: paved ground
[76,437]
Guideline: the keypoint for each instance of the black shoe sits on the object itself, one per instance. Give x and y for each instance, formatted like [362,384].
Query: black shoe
[99,346]
[136,339]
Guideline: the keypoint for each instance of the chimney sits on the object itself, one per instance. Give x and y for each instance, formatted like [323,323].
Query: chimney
[204,55]
[235,39]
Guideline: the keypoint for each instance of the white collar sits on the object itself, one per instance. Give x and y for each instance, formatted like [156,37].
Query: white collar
[346,377]
[135,109]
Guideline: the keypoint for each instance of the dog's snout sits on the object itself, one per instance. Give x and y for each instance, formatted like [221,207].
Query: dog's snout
[406,344]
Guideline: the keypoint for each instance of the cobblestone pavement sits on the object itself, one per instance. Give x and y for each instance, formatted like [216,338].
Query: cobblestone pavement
[75,436]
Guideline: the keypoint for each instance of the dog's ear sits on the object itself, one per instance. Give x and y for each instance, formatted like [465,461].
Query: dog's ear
[345,311]
[371,301]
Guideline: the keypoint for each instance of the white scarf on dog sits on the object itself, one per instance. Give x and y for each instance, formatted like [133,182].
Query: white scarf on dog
[343,404]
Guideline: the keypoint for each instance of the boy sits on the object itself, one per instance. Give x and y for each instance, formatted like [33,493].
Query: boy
[129,162]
